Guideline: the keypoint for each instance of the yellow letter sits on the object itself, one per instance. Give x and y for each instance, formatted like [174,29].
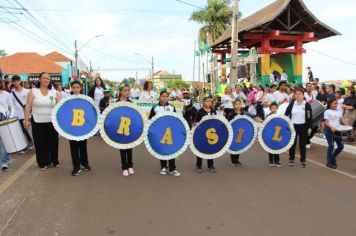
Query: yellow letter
[239,136]
[213,138]
[124,127]
[167,138]
[78,117]
[276,134]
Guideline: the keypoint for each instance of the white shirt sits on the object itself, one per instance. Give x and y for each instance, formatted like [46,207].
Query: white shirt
[298,113]
[269,98]
[333,116]
[240,95]
[340,102]
[6,103]
[279,97]
[284,77]
[42,105]
[22,96]
[98,95]
[135,93]
[227,100]
[148,96]
[310,98]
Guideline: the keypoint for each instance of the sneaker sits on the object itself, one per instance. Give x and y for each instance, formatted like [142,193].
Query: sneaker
[198,169]
[175,173]
[278,164]
[76,172]
[87,168]
[233,164]
[303,165]
[30,147]
[4,167]
[125,173]
[23,152]
[212,169]
[291,163]
[239,163]
[308,146]
[331,166]
[272,165]
[163,171]
[131,171]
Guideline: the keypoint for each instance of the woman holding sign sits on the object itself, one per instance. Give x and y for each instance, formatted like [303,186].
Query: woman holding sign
[300,112]
[41,100]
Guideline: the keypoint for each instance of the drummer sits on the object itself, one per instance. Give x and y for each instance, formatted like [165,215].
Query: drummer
[333,119]
[6,111]
[19,98]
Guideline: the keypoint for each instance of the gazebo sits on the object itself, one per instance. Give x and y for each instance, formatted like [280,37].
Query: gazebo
[278,33]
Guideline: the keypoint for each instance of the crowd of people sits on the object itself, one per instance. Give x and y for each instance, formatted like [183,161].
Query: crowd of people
[32,105]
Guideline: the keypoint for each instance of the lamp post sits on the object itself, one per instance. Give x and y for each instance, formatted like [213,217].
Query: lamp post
[149,62]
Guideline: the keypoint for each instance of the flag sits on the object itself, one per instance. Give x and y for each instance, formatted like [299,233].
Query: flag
[197,53]
[203,46]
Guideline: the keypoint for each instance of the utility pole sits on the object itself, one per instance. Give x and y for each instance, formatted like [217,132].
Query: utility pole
[234,44]
[76,72]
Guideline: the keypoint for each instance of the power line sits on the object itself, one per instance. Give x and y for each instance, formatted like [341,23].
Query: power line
[190,4]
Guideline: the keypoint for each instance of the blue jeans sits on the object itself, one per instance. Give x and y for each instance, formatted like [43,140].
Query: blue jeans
[331,154]
[5,157]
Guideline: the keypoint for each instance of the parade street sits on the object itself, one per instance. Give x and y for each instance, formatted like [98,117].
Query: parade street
[253,199]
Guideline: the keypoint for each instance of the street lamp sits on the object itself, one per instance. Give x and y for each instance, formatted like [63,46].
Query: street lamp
[77,50]
[149,62]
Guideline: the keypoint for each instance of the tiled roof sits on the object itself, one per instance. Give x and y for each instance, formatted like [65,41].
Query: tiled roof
[28,63]
[57,57]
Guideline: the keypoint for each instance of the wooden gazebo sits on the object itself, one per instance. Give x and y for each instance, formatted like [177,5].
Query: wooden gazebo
[279,28]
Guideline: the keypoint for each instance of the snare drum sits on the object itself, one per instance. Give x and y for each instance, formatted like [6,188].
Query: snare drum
[318,110]
[343,132]
[12,136]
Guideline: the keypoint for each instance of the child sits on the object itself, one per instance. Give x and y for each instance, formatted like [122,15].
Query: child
[189,110]
[274,158]
[78,149]
[105,101]
[205,111]
[164,106]
[236,112]
[126,154]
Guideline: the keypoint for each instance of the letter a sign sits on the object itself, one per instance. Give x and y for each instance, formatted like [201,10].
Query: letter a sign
[76,117]
[167,136]
[123,125]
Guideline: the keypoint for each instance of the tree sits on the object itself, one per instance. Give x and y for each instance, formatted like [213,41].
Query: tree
[3,53]
[215,17]
[177,84]
[129,80]
[108,83]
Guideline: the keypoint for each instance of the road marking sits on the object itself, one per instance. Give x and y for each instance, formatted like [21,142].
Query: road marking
[12,179]
[334,170]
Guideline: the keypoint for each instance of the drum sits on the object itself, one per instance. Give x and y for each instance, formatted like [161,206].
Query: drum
[282,109]
[343,132]
[318,110]
[12,136]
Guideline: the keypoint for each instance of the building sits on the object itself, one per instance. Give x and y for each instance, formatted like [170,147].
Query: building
[64,62]
[278,33]
[162,78]
[28,65]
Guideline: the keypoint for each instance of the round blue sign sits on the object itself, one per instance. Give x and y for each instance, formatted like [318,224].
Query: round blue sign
[211,137]
[244,134]
[167,136]
[277,135]
[130,122]
[76,118]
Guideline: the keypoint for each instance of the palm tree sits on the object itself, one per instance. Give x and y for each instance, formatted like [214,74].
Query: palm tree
[215,17]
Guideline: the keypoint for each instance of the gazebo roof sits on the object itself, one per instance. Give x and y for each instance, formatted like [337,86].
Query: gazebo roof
[287,16]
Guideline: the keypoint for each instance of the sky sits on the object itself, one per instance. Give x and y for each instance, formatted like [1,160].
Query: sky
[134,31]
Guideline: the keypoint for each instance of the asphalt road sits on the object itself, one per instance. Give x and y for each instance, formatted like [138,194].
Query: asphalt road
[253,199]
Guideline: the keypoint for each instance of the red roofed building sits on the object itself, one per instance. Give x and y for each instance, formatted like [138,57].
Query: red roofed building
[28,65]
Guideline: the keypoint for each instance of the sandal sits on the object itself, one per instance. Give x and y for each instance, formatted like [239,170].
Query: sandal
[44,168]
